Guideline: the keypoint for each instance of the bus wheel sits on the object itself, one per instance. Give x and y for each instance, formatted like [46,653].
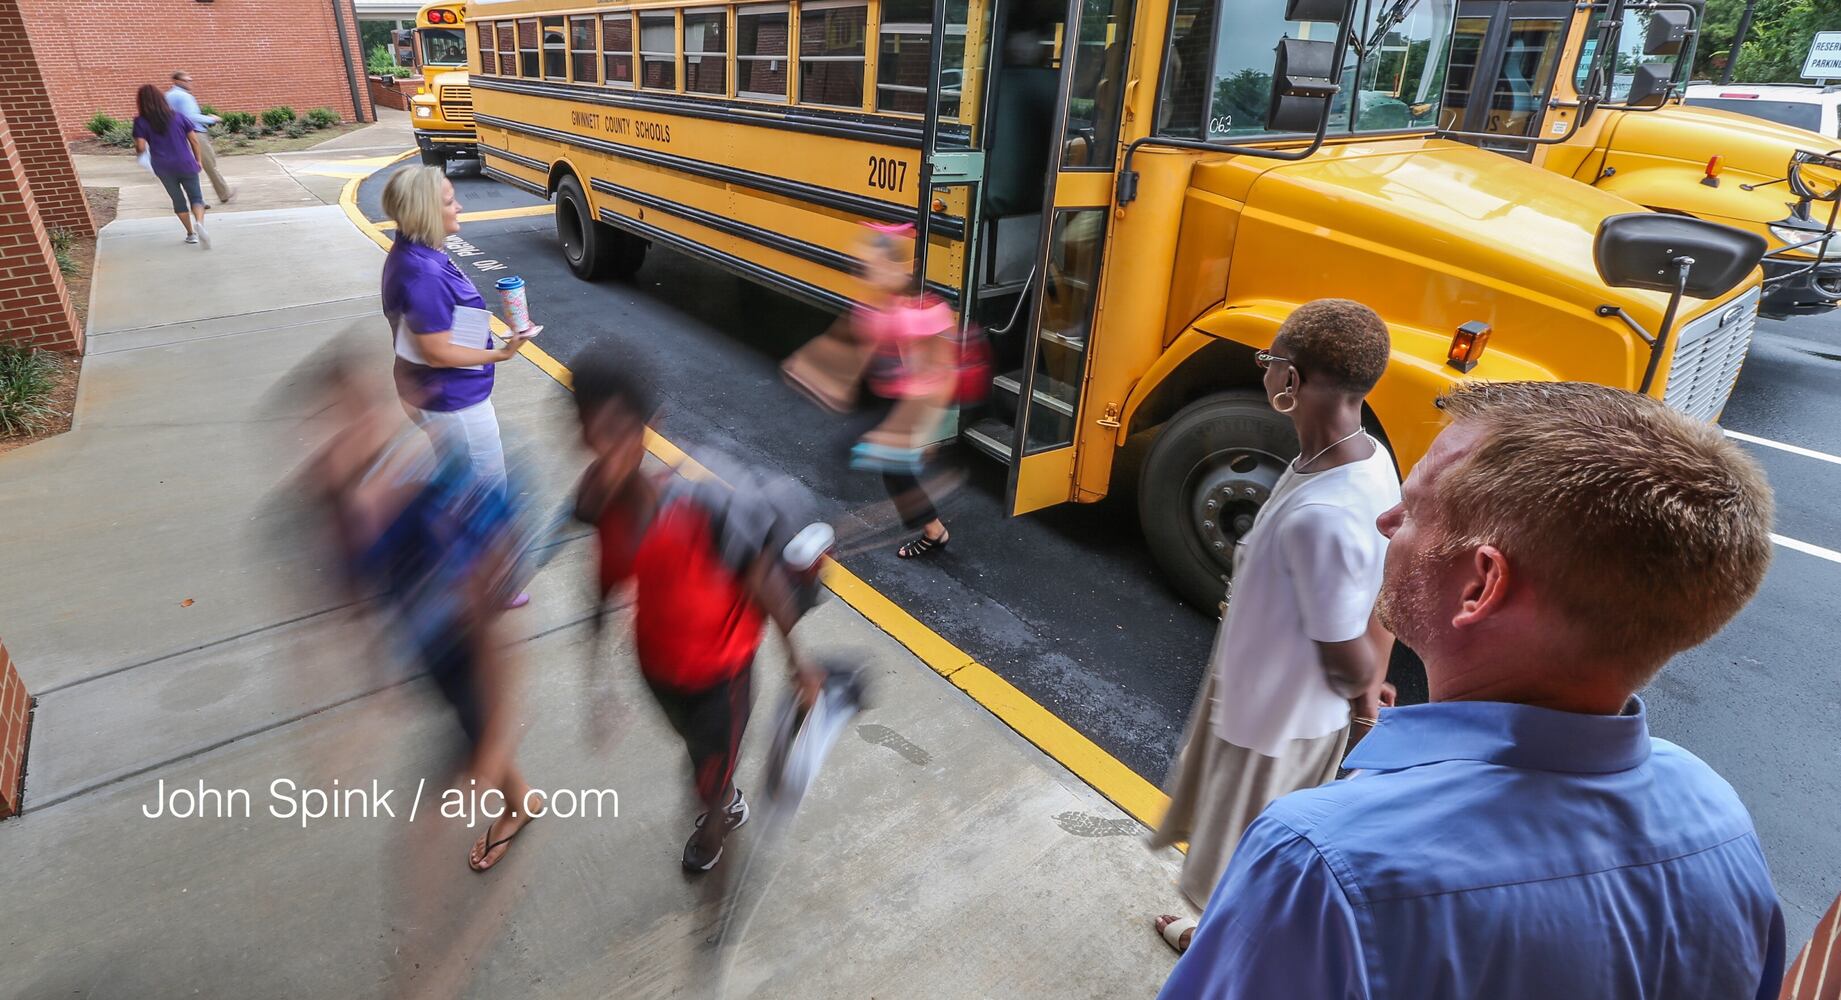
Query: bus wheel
[433,158]
[625,251]
[583,239]
[1208,472]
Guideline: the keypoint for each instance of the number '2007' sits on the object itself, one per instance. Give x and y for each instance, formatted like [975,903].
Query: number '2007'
[887,174]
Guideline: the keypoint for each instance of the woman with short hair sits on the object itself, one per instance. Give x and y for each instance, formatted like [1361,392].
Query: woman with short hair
[444,352]
[169,147]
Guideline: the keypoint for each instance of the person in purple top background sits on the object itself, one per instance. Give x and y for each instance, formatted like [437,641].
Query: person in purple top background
[444,352]
[168,146]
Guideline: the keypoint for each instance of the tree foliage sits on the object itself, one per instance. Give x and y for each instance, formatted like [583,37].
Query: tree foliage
[1777,44]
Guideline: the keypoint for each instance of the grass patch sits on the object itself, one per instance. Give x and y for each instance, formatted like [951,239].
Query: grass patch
[28,377]
[63,241]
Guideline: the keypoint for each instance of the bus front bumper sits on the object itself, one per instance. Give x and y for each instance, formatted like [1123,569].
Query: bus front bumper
[1793,288]
[455,143]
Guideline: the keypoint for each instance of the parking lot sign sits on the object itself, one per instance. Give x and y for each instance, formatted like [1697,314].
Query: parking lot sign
[1824,62]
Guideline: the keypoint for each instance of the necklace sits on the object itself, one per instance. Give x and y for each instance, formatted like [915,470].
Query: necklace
[1298,466]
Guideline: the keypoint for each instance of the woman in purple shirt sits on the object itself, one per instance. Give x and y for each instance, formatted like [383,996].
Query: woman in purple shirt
[170,147]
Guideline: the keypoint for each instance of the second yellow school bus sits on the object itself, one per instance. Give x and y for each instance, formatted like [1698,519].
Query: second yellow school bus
[1119,192]
[442,109]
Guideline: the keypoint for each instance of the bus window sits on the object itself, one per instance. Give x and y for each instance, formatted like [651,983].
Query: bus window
[443,47]
[760,52]
[1067,316]
[527,48]
[487,44]
[1093,100]
[1461,73]
[831,37]
[508,49]
[658,50]
[902,60]
[584,53]
[706,51]
[555,50]
[1391,80]
[617,49]
[1528,60]
[1629,55]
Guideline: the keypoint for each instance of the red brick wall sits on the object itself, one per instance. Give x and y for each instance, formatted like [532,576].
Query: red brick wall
[15,722]
[245,55]
[27,106]
[34,304]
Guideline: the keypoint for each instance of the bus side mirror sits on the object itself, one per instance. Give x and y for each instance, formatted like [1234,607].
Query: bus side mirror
[1668,32]
[1649,86]
[1647,250]
[1329,11]
[1303,81]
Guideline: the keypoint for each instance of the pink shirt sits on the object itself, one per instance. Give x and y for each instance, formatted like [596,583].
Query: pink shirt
[905,368]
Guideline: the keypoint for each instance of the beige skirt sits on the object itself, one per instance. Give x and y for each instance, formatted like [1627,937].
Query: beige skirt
[1217,789]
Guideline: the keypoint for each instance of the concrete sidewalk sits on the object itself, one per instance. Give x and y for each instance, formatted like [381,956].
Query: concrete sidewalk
[174,634]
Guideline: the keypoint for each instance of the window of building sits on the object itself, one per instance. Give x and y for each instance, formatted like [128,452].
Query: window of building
[584,51]
[831,38]
[903,62]
[658,50]
[486,41]
[760,52]
[555,49]
[527,48]
[706,51]
[508,49]
[617,49]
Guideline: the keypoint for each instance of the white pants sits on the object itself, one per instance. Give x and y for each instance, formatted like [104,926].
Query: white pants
[474,430]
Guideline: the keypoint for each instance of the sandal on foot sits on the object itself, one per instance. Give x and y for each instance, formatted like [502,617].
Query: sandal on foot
[1174,930]
[492,845]
[922,546]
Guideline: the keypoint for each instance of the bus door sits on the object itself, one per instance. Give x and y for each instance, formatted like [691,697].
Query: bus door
[1049,198]
[1501,74]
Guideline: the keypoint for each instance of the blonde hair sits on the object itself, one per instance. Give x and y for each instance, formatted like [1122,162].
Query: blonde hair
[412,199]
[1645,528]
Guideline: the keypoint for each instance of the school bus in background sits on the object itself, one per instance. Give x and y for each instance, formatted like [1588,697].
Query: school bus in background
[1593,91]
[1129,196]
[441,110]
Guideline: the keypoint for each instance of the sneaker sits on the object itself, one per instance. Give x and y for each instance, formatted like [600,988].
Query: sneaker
[204,238]
[191,239]
[733,816]
[232,196]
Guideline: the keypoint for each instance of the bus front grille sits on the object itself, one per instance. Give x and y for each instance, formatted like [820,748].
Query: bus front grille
[1708,354]
[456,105]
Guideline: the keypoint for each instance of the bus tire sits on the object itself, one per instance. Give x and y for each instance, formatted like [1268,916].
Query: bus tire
[584,240]
[1205,477]
[433,158]
[624,250]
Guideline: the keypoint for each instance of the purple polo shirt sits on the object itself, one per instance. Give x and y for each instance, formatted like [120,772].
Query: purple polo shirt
[421,288]
[171,150]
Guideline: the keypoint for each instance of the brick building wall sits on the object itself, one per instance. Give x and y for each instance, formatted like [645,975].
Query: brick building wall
[35,306]
[15,725]
[245,55]
[27,105]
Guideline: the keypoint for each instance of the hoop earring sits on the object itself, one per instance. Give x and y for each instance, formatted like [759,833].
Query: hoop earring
[1285,401]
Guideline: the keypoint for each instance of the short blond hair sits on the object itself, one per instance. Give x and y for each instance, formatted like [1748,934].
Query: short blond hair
[1645,528]
[412,199]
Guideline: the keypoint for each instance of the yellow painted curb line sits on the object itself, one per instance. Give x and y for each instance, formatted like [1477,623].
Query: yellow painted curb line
[523,212]
[1086,759]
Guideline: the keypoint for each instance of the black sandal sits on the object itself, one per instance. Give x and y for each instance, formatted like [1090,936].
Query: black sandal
[922,545]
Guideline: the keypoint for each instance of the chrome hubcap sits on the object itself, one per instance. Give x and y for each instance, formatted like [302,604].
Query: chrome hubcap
[1228,491]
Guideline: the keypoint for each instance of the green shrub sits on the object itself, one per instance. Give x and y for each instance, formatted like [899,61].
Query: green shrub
[26,382]
[322,118]
[278,117]
[238,121]
[296,129]
[63,241]
[382,63]
[209,111]
[120,135]
[100,124]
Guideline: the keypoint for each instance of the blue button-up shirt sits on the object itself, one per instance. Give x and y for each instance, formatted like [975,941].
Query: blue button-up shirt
[1496,851]
[181,100]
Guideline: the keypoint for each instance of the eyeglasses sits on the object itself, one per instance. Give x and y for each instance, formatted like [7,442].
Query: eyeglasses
[1264,359]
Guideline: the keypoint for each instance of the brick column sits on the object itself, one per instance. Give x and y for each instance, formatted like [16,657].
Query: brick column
[15,726]
[26,103]
[35,306]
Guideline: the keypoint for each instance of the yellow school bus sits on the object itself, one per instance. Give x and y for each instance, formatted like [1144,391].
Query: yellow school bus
[1130,197]
[1592,91]
[442,109]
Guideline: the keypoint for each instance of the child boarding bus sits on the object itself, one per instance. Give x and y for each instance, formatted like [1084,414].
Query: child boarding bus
[441,110]
[1593,91]
[1129,196]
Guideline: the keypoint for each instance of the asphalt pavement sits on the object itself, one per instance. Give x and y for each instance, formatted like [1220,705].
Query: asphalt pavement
[1066,604]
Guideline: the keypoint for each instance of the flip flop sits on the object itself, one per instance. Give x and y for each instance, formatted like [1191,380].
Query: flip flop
[1174,930]
[493,845]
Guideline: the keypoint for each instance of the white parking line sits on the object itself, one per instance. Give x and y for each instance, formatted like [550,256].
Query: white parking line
[1820,456]
[1815,550]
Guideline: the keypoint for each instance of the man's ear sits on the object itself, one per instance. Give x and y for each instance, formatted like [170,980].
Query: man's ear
[1486,587]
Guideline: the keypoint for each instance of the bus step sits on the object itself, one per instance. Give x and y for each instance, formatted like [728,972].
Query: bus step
[1048,392]
[992,437]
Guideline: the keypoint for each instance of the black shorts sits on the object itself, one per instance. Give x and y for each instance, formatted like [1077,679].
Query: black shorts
[711,723]
[455,671]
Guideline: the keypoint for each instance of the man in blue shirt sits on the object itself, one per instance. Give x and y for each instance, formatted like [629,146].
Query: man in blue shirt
[1522,836]
[179,97]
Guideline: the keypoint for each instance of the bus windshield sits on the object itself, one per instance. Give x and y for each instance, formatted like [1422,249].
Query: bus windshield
[1622,73]
[443,47]
[1392,74]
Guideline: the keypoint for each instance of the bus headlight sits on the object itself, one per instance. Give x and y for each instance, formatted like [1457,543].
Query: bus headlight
[424,111]
[1790,237]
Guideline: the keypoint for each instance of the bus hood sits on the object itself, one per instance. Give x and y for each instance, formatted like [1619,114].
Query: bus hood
[452,78]
[1441,231]
[1743,143]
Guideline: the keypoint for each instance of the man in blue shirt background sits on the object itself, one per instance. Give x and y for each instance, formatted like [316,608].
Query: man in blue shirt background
[1522,836]
[179,97]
